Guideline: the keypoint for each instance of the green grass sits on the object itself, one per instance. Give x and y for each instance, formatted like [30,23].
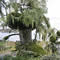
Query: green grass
[7,47]
[30,58]
[1,43]
[20,58]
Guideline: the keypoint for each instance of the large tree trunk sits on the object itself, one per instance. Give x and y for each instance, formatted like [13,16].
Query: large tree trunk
[25,36]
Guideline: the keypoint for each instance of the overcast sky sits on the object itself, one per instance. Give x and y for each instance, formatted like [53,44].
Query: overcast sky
[54,13]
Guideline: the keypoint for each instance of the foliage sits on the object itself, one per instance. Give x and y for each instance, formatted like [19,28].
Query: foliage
[2,4]
[50,57]
[8,57]
[53,39]
[53,43]
[51,46]
[58,33]
[31,49]
[36,48]
[15,20]
[30,17]
[31,58]
[7,37]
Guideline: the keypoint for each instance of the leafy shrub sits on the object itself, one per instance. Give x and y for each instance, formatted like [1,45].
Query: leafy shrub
[58,33]
[31,49]
[35,48]
[53,39]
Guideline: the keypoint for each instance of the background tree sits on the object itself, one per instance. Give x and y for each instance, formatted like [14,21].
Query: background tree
[31,17]
[3,13]
[27,16]
[51,46]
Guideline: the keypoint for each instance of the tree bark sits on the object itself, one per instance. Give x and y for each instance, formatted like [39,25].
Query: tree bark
[25,36]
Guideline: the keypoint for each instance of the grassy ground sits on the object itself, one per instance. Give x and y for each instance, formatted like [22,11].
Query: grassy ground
[11,47]
[1,43]
[20,58]
[7,47]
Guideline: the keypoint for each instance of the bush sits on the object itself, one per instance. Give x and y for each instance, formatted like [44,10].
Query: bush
[58,33]
[53,39]
[31,49]
[35,48]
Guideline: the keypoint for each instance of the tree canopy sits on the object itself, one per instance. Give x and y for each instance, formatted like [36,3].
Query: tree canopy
[27,15]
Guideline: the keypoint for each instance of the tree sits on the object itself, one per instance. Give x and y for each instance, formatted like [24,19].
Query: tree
[28,15]
[2,6]
[3,13]
[52,41]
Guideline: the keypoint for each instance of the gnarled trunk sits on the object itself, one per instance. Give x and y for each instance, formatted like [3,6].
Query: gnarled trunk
[25,36]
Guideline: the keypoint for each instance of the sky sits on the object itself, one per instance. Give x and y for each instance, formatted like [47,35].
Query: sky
[54,13]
